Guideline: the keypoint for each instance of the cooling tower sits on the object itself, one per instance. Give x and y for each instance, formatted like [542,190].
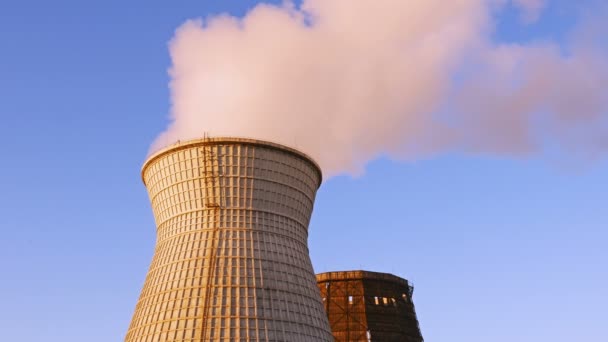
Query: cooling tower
[365,306]
[231,260]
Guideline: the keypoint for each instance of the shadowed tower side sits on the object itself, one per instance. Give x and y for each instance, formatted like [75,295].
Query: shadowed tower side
[365,306]
[231,261]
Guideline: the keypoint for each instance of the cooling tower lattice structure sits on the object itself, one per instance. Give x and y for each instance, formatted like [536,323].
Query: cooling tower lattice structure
[365,306]
[231,260]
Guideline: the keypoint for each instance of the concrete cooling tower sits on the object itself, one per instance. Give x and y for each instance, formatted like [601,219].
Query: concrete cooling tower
[365,306]
[231,261]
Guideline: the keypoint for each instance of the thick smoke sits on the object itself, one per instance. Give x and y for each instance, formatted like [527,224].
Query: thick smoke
[347,81]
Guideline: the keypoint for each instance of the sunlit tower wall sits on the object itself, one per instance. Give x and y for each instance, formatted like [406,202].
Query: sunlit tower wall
[231,261]
[365,306]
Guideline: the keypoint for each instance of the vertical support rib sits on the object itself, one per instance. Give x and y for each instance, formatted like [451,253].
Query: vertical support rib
[211,174]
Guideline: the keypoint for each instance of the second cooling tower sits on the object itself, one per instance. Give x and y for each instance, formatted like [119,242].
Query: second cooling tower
[231,261]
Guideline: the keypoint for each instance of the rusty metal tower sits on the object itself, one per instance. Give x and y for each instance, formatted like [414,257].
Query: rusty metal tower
[231,261]
[365,306]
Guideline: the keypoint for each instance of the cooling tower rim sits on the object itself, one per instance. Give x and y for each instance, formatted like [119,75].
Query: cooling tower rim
[360,275]
[180,145]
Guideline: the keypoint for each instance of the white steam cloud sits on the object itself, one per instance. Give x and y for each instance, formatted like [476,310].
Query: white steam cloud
[347,81]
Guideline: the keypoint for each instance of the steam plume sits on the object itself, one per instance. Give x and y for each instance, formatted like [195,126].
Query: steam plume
[347,81]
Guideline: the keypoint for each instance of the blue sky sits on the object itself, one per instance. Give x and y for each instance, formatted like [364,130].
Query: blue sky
[499,249]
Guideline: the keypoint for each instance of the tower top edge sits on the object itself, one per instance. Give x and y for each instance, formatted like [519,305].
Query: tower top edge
[181,145]
[360,275]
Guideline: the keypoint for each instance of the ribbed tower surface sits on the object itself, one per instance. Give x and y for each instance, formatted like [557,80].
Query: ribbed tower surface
[365,306]
[231,261]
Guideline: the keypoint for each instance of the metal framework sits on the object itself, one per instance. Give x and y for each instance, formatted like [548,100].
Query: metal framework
[369,306]
[212,199]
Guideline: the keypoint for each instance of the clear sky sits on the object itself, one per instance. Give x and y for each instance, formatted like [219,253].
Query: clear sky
[499,249]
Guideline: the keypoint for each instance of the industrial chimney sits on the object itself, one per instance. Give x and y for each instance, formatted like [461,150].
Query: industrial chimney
[231,261]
